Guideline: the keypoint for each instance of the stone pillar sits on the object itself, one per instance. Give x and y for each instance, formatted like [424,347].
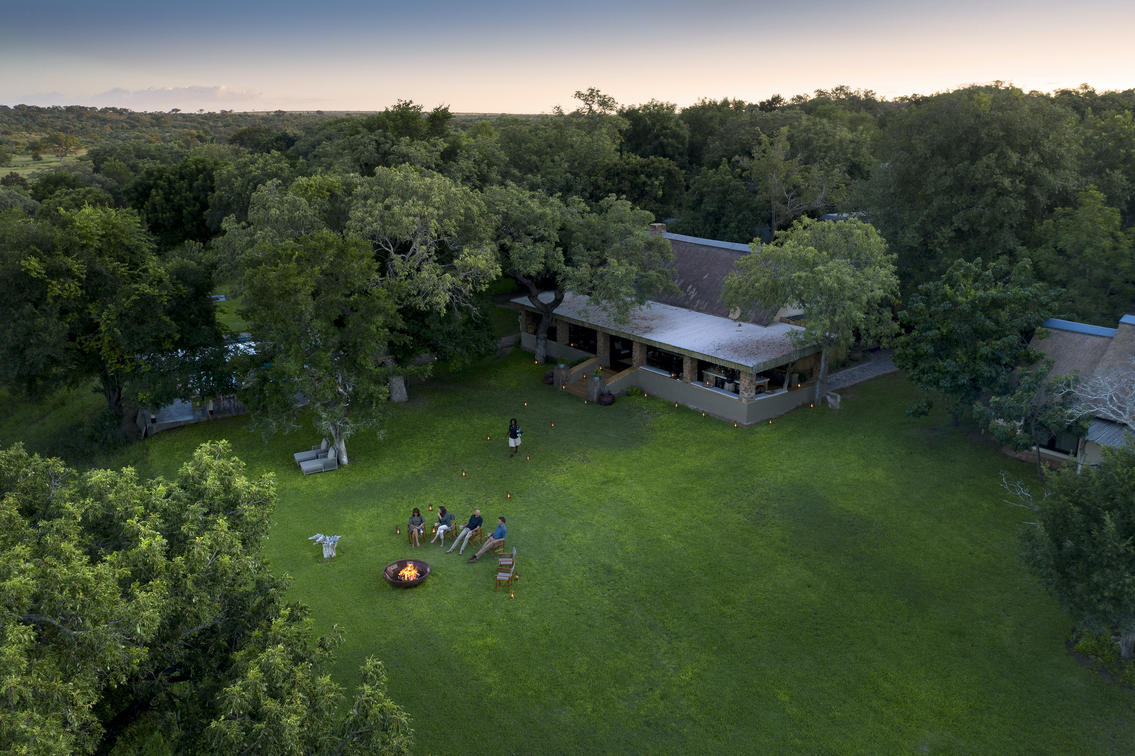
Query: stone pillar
[748,387]
[689,369]
[638,354]
[603,347]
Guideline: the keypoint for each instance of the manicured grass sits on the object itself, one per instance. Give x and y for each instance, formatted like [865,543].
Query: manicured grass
[838,581]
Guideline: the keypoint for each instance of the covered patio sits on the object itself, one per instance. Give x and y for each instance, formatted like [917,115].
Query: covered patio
[735,370]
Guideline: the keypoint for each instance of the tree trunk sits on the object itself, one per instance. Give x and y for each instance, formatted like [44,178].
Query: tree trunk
[397,383]
[542,338]
[822,379]
[1036,447]
[339,442]
[112,390]
[1127,645]
[398,389]
[546,309]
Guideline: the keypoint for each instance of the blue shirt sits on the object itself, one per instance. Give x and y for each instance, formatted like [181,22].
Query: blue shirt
[500,532]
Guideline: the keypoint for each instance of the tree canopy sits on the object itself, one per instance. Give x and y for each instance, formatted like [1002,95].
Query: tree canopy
[1083,544]
[839,272]
[968,331]
[137,610]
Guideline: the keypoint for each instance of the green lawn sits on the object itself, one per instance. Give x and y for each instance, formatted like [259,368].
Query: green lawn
[838,581]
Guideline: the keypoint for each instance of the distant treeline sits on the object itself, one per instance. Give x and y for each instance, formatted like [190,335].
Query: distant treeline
[988,171]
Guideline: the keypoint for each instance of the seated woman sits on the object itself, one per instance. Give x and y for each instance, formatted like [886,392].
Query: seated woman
[444,524]
[417,524]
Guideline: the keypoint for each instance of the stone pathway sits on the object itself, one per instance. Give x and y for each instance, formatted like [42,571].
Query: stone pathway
[879,363]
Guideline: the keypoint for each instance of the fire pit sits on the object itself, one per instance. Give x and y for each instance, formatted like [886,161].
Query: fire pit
[406,573]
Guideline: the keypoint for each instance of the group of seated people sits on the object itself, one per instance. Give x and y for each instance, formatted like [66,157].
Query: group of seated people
[445,524]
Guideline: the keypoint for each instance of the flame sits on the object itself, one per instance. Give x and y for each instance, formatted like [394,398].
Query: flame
[408,573]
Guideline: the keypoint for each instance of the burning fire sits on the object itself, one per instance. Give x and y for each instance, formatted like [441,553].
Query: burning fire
[408,573]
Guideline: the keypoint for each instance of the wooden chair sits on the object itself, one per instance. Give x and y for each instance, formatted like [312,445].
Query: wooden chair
[507,561]
[506,574]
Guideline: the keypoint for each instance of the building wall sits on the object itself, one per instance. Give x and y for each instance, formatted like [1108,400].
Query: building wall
[713,402]
[720,404]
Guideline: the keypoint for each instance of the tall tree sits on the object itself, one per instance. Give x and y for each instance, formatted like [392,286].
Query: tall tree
[1084,251]
[88,298]
[968,174]
[841,275]
[550,248]
[323,320]
[134,607]
[1083,545]
[968,331]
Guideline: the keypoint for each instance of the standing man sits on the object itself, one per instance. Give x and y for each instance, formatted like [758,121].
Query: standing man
[498,536]
[514,433]
[467,531]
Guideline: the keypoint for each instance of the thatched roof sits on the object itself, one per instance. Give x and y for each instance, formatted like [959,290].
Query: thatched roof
[700,267]
[1074,348]
[1121,353]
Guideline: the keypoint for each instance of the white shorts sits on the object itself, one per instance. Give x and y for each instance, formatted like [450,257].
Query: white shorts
[513,442]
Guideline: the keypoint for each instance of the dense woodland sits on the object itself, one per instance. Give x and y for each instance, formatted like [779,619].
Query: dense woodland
[357,243]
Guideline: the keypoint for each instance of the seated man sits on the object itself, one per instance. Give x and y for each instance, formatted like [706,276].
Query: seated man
[444,524]
[467,531]
[498,536]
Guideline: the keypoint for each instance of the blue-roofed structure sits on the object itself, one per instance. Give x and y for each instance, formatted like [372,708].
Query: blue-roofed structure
[1089,352]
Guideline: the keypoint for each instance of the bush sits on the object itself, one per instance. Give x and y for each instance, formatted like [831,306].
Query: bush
[634,391]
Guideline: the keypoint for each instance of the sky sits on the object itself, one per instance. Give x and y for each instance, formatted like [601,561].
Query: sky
[527,57]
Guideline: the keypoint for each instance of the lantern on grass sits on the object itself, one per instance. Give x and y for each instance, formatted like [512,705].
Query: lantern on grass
[397,531]
[526,404]
[508,494]
[463,474]
[734,425]
[511,595]
[488,438]
[553,425]
[675,405]
[527,458]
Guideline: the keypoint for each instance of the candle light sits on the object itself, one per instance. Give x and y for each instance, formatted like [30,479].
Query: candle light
[488,438]
[553,425]
[675,405]
[431,507]
[770,422]
[463,475]
[508,494]
[535,362]
[511,595]
[397,531]
[703,414]
[811,405]
[563,387]
[734,425]
[645,395]
[526,404]
[527,458]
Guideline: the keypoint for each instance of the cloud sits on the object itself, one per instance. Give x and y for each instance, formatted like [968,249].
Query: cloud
[158,98]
